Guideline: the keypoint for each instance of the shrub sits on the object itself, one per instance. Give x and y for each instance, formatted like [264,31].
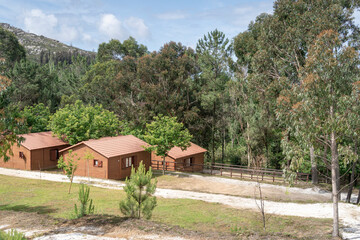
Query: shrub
[86,204]
[139,194]
[12,235]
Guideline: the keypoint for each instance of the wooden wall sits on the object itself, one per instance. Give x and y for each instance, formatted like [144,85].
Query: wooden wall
[15,161]
[198,161]
[116,171]
[86,167]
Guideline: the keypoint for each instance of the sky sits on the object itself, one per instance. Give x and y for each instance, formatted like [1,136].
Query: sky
[87,23]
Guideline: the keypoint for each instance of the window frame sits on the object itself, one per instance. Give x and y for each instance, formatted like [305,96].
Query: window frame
[127,162]
[97,163]
[56,155]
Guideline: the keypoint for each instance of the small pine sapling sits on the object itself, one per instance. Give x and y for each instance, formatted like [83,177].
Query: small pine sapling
[69,166]
[86,204]
[139,193]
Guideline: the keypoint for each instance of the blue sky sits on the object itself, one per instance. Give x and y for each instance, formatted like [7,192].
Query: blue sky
[86,23]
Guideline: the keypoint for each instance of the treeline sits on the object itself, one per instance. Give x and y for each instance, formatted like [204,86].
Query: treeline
[63,57]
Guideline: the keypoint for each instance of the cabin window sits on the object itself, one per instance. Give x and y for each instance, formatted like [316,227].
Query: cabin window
[21,155]
[97,163]
[54,154]
[127,162]
[189,162]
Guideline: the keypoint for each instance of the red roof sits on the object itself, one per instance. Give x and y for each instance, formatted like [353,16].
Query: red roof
[41,140]
[114,146]
[176,152]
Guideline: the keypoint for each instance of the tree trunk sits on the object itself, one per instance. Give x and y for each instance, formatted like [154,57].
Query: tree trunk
[223,146]
[213,136]
[352,177]
[314,171]
[358,198]
[334,182]
[140,188]
[163,171]
[248,144]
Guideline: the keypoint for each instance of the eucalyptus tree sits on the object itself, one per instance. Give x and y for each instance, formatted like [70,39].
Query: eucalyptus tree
[274,49]
[321,112]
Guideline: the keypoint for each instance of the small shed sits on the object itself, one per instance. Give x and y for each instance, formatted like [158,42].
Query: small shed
[112,157]
[191,159]
[38,151]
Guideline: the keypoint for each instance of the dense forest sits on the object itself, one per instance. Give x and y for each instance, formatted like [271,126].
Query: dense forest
[282,94]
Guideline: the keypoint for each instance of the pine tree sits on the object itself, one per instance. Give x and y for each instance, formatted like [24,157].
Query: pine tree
[139,194]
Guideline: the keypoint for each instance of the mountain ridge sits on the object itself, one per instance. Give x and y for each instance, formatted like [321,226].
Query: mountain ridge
[39,47]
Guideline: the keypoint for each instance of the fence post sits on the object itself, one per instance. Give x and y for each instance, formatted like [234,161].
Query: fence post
[273,176]
[220,171]
[231,172]
[157,165]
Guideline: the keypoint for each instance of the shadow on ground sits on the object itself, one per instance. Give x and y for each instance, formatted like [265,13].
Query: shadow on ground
[25,208]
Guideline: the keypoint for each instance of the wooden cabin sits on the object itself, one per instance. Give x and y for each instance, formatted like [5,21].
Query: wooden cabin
[111,157]
[191,159]
[38,151]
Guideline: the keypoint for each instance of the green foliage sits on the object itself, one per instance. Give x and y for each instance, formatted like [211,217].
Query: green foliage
[11,124]
[36,117]
[117,50]
[86,204]
[69,166]
[235,154]
[78,122]
[164,133]
[10,49]
[139,193]
[12,235]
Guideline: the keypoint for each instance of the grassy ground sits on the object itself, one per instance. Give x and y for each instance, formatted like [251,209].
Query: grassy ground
[52,198]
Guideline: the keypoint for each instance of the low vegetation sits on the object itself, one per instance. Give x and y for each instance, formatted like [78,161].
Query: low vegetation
[51,198]
[12,235]
[139,191]
[86,204]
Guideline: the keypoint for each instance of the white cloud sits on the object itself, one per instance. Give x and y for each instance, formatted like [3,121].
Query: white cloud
[67,34]
[171,16]
[38,22]
[111,26]
[137,27]
[86,37]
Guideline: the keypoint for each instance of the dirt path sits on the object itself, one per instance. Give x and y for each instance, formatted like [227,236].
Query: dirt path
[349,214]
[234,187]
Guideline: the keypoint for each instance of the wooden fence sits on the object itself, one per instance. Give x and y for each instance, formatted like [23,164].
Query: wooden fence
[232,171]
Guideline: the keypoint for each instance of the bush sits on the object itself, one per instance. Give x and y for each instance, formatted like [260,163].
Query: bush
[139,194]
[86,204]
[12,235]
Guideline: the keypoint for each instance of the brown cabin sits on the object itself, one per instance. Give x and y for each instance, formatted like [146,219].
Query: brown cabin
[112,157]
[191,159]
[38,151]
